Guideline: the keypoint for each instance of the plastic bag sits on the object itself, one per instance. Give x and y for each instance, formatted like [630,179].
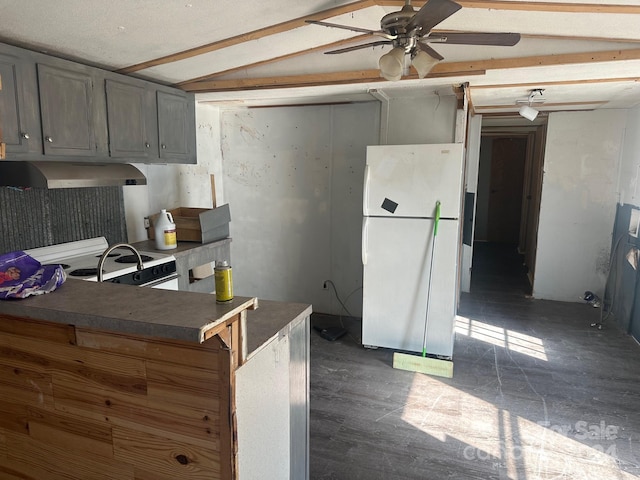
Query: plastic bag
[22,276]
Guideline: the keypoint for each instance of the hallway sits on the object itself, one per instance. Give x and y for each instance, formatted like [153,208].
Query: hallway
[536,394]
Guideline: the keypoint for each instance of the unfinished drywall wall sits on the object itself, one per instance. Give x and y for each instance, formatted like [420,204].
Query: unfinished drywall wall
[629,181]
[577,211]
[293,179]
[429,118]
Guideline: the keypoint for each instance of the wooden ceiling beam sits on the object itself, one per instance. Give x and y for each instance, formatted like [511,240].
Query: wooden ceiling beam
[445,69]
[540,106]
[307,80]
[557,83]
[540,61]
[530,6]
[360,4]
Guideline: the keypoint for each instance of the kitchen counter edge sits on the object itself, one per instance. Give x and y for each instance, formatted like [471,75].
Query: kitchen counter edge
[118,308]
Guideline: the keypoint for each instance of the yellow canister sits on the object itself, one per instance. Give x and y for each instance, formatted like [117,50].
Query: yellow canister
[224,282]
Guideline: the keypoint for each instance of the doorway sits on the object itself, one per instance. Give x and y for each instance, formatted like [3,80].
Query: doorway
[507,209]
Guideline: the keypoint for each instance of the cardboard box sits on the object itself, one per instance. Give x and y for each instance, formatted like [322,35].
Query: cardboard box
[203,225]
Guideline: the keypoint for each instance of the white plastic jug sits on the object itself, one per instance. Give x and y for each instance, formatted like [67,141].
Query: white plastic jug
[165,231]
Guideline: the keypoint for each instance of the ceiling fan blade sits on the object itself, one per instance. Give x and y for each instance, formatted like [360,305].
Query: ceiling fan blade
[499,39]
[378,33]
[358,47]
[431,14]
[427,49]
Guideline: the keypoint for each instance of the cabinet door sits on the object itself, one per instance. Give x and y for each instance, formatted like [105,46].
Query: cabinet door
[20,129]
[66,105]
[130,129]
[176,127]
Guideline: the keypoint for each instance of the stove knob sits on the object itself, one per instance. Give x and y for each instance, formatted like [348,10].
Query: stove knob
[166,268]
[155,271]
[137,277]
[115,280]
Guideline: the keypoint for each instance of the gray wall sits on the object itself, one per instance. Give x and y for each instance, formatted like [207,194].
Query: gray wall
[577,211]
[293,179]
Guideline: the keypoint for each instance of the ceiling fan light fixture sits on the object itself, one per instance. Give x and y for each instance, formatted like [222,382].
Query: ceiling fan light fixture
[528,112]
[391,64]
[423,63]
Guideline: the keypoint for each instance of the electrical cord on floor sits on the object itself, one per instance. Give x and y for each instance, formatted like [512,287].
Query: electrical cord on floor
[344,307]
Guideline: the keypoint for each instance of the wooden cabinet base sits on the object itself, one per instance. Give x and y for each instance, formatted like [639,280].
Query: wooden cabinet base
[77,403]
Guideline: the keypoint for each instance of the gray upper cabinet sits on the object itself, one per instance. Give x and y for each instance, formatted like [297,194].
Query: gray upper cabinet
[55,109]
[131,120]
[19,115]
[66,105]
[176,127]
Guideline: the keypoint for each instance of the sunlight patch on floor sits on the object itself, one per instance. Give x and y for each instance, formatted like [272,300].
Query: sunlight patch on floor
[512,446]
[501,337]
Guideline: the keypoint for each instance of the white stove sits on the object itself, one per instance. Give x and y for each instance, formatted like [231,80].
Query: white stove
[80,260]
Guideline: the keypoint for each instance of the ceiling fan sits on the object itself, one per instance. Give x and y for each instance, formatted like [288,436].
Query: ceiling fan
[409,32]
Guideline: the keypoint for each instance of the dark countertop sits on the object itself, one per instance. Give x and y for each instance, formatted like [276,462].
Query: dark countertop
[183,248]
[122,308]
[270,320]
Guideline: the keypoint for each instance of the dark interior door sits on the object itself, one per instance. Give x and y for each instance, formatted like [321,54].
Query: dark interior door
[505,192]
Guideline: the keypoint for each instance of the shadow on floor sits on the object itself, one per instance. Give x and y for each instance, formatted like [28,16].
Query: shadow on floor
[536,394]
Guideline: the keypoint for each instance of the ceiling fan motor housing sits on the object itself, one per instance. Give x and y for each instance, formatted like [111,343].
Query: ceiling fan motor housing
[395,23]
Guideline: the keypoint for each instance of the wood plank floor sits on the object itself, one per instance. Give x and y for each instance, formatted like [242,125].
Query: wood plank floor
[537,393]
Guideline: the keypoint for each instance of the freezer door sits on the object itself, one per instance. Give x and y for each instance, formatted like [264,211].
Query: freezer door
[407,180]
[397,254]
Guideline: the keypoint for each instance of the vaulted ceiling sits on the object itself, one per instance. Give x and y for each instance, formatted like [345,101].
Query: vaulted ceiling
[584,54]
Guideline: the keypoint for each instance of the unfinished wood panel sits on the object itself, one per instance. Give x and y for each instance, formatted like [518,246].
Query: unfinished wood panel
[182,385]
[227,422]
[163,458]
[21,396]
[25,379]
[203,355]
[80,398]
[52,332]
[3,444]
[48,461]
[78,435]
[42,355]
[84,405]
[14,416]
[7,472]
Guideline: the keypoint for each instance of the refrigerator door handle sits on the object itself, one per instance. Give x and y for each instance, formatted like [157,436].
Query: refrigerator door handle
[365,234]
[365,194]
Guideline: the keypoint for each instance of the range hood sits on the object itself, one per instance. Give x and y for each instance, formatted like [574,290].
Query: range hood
[49,174]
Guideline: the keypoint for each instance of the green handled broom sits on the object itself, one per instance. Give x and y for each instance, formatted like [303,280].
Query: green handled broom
[425,364]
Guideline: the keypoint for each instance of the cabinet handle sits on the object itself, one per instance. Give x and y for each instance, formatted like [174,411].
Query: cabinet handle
[164,146]
[147,144]
[25,135]
[48,139]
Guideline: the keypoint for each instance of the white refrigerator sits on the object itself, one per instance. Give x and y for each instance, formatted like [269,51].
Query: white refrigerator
[402,185]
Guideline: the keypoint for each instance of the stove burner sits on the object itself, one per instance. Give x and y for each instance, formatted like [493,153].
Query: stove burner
[63,265]
[84,272]
[133,258]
